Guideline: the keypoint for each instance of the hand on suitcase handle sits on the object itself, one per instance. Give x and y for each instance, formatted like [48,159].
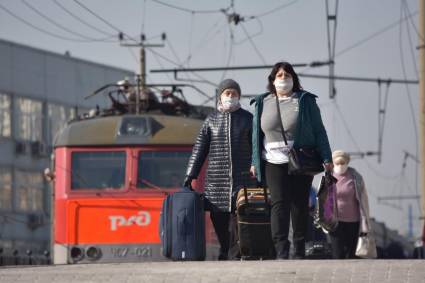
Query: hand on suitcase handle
[188,182]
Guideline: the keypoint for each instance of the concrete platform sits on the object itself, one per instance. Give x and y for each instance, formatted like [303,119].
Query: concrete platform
[336,271]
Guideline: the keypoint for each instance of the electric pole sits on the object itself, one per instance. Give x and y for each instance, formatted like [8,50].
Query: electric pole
[421,47]
[141,77]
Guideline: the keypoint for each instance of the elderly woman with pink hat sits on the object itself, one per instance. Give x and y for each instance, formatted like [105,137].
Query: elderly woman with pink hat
[352,205]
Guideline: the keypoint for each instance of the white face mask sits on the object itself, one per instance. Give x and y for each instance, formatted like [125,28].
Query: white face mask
[284,86]
[229,102]
[340,169]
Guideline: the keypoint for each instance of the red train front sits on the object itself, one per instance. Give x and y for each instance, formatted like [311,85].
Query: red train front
[111,176]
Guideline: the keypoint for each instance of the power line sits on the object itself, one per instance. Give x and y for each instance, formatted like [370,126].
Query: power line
[253,45]
[360,79]
[206,39]
[252,35]
[412,111]
[142,30]
[250,67]
[312,64]
[375,34]
[103,20]
[189,10]
[59,25]
[276,9]
[41,29]
[406,5]
[80,19]
[331,45]
[353,140]
[229,56]
[203,80]
[412,50]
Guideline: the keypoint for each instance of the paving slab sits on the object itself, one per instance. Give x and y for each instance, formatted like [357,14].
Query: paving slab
[335,271]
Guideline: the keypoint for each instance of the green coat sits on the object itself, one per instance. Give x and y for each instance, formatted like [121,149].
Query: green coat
[309,131]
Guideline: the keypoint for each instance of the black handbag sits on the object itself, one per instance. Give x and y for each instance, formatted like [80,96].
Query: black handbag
[303,160]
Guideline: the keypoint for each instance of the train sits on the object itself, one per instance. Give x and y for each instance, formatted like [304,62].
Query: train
[111,172]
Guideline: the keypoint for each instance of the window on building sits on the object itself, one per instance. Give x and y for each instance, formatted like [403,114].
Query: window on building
[5,129]
[163,169]
[5,189]
[58,116]
[29,119]
[98,170]
[29,191]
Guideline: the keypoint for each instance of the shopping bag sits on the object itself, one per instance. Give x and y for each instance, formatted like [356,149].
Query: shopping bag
[326,215]
[366,247]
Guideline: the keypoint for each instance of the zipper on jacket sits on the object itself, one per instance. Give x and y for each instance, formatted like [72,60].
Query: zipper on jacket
[230,159]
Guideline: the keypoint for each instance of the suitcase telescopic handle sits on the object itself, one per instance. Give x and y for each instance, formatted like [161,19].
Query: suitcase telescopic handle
[245,192]
[265,195]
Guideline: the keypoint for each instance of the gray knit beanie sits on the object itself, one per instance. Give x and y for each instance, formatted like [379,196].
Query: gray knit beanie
[228,83]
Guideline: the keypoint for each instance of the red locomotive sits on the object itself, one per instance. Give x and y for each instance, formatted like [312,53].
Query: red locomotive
[111,174]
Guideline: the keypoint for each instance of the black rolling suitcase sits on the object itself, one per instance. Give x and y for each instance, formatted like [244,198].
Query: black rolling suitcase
[253,217]
[182,226]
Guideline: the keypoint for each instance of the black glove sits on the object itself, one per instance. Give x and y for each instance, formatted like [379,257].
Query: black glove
[188,182]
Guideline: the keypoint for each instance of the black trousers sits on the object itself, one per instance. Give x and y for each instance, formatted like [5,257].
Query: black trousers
[344,240]
[289,195]
[221,221]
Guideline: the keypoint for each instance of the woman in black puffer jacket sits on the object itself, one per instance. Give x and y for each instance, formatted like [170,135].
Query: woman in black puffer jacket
[225,138]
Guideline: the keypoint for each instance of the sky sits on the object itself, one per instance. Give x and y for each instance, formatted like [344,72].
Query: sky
[374,39]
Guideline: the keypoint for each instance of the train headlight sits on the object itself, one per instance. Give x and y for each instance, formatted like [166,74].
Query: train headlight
[138,127]
[77,254]
[93,253]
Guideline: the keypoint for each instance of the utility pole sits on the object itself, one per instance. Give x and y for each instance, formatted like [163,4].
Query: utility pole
[141,77]
[421,47]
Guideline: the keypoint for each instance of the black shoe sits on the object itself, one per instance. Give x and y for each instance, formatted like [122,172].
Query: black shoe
[223,257]
[299,257]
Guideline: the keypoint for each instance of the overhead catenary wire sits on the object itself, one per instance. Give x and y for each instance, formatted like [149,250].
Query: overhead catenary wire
[353,140]
[103,20]
[410,103]
[42,30]
[382,111]
[205,40]
[60,25]
[331,45]
[142,29]
[203,80]
[412,50]
[375,34]
[251,36]
[253,44]
[406,5]
[80,19]
[274,10]
[188,10]
[229,55]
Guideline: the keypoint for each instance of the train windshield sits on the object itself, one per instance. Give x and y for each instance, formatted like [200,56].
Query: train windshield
[98,170]
[161,169]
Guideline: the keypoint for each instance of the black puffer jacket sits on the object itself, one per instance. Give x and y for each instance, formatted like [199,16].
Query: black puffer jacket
[226,139]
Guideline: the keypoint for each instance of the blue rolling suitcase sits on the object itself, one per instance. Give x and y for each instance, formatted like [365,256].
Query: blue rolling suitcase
[182,226]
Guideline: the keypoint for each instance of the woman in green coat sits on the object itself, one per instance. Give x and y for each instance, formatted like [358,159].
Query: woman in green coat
[303,126]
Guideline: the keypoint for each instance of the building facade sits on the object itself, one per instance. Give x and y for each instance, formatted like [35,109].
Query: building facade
[39,92]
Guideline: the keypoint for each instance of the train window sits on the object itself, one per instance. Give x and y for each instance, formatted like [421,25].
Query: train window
[163,169]
[98,170]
